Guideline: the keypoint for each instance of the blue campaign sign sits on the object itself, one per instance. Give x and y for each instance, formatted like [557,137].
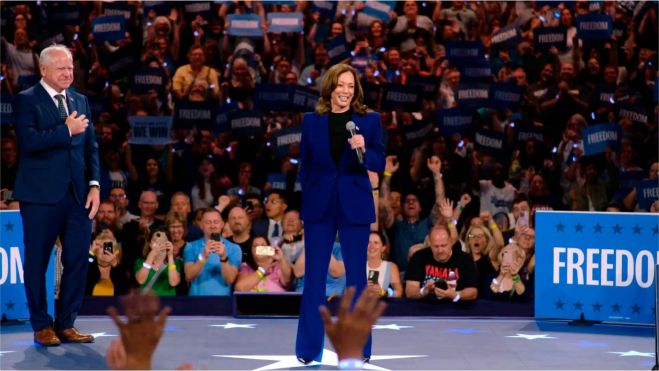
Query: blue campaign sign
[60,13]
[278,181]
[117,8]
[416,133]
[13,303]
[283,139]
[193,114]
[508,36]
[284,22]
[529,132]
[304,99]
[245,25]
[145,79]
[6,109]
[594,26]
[150,130]
[600,265]
[604,95]
[338,49]
[505,95]
[459,51]
[454,121]
[473,95]
[546,37]
[326,8]
[489,141]
[273,97]
[633,113]
[647,192]
[121,62]
[109,28]
[598,137]
[249,123]
[379,9]
[428,84]
[201,8]
[405,97]
[475,71]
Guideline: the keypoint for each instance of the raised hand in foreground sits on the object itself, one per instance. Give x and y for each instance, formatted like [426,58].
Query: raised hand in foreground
[350,331]
[140,334]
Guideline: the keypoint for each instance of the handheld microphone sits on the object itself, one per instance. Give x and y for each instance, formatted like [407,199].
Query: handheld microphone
[351,127]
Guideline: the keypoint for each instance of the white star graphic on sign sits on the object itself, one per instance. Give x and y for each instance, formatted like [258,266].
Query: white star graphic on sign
[329,359]
[2,352]
[390,327]
[235,325]
[633,353]
[101,334]
[532,337]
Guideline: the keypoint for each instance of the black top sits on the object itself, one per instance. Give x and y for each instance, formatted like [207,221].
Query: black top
[338,135]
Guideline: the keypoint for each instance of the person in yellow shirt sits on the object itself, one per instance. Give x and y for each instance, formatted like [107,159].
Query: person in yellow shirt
[186,75]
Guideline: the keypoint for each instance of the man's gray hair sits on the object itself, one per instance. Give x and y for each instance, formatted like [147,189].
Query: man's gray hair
[46,54]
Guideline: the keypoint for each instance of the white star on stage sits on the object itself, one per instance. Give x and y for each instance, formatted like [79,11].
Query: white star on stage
[532,337]
[2,352]
[235,325]
[329,359]
[633,353]
[101,334]
[390,327]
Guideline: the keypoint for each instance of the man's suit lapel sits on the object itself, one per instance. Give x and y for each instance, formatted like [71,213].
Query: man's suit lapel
[46,101]
[72,103]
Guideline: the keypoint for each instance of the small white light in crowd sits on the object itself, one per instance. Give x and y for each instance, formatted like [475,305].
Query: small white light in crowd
[512,124]
[612,101]
[294,161]
[2,77]
[241,192]
[575,145]
[376,73]
[149,24]
[164,64]
[268,144]
[543,19]
[212,86]
[309,80]
[554,150]
[228,149]
[592,115]
[196,33]
[75,37]
[383,49]
[89,45]
[343,11]
[352,53]
[228,100]
[461,144]
[397,73]
[423,4]
[107,84]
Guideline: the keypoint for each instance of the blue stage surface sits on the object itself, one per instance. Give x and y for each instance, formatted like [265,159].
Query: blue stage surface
[400,343]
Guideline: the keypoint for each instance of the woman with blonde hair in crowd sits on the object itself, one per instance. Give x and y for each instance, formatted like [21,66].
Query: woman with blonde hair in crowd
[480,244]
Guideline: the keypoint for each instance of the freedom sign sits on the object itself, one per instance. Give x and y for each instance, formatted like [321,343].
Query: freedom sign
[599,265]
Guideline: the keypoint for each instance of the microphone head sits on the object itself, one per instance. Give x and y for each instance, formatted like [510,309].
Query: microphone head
[350,126]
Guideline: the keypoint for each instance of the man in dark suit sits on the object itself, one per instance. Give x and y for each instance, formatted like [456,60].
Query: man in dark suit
[58,189]
[275,208]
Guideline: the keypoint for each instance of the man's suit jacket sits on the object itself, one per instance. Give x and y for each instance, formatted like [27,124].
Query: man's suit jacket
[320,177]
[51,159]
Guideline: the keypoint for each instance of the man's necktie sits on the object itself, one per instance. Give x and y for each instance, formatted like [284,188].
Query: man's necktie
[60,106]
[275,231]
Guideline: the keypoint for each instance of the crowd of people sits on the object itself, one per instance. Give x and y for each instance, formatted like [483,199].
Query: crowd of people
[212,211]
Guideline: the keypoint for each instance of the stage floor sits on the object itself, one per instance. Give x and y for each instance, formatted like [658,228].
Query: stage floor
[398,343]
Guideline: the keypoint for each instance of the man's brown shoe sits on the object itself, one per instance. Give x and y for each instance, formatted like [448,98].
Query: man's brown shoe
[46,337]
[71,335]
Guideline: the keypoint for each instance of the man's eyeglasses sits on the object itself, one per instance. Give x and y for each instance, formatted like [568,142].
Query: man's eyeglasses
[470,235]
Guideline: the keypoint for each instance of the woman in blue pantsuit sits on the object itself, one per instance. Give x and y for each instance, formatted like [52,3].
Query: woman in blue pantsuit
[336,195]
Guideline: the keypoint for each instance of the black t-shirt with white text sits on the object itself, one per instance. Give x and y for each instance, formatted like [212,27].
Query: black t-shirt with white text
[424,267]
